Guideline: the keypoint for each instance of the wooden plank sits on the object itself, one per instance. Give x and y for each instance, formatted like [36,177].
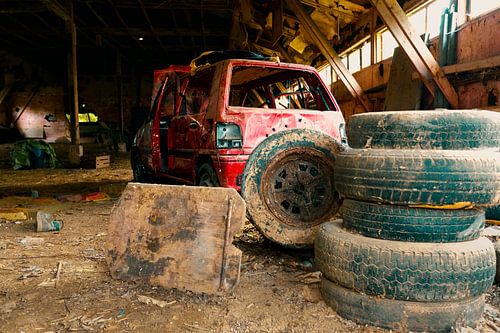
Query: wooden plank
[102,162]
[176,237]
[427,67]
[400,79]
[473,65]
[331,56]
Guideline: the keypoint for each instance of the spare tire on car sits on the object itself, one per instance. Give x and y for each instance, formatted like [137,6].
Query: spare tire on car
[288,185]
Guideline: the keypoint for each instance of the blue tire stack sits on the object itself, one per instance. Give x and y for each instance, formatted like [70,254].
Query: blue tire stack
[408,253]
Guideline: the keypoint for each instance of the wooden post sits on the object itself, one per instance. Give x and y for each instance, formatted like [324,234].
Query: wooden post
[72,75]
[331,56]
[373,37]
[74,149]
[119,88]
[427,67]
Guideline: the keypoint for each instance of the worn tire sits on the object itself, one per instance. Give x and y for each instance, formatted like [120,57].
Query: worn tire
[493,213]
[403,223]
[419,176]
[402,315]
[206,176]
[288,185]
[421,272]
[442,129]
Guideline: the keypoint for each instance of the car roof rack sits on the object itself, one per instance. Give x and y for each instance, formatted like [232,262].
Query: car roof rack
[211,57]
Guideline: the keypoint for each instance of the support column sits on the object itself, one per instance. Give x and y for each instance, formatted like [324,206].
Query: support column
[119,88]
[72,75]
[427,67]
[75,150]
[331,56]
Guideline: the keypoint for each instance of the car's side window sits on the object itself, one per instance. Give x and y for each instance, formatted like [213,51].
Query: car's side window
[196,96]
[167,103]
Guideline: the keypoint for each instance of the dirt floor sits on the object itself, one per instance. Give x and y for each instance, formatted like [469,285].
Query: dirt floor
[277,291]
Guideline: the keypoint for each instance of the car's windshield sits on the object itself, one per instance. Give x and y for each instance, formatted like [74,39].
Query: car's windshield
[278,88]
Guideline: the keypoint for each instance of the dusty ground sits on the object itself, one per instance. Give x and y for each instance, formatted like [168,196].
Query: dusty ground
[274,294]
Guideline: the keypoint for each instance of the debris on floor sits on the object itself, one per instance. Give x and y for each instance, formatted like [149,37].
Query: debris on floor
[273,295]
[33,154]
[47,222]
[13,214]
[90,197]
[150,300]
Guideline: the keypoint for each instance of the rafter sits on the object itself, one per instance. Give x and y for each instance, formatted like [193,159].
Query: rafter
[57,9]
[153,31]
[19,24]
[122,21]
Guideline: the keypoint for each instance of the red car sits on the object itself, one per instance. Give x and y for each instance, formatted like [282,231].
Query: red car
[206,125]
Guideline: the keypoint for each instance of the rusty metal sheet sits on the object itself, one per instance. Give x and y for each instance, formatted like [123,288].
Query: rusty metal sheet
[176,237]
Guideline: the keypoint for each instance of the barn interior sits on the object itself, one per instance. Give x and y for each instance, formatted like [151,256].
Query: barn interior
[77,75]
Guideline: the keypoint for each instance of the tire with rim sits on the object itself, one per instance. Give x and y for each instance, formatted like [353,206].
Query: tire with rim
[206,176]
[403,223]
[139,170]
[435,177]
[440,129]
[288,185]
[420,272]
[402,315]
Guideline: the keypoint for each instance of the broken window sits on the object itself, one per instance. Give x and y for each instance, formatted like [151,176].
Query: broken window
[196,97]
[276,88]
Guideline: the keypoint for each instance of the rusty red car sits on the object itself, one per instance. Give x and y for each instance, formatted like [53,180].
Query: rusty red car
[267,129]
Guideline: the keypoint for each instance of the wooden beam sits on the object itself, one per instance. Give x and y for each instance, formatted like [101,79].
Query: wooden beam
[329,53]
[120,18]
[153,31]
[72,75]
[204,39]
[176,26]
[9,33]
[190,25]
[216,5]
[473,65]
[411,43]
[277,15]
[23,9]
[33,32]
[336,10]
[119,89]
[57,9]
[104,23]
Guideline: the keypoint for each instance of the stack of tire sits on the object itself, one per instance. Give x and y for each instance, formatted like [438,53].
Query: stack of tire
[399,259]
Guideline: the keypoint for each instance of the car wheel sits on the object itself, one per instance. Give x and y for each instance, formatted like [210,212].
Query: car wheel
[407,224]
[288,185]
[442,129]
[401,316]
[206,176]
[420,272]
[434,177]
[138,169]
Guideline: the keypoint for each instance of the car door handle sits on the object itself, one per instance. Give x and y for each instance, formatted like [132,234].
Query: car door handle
[194,124]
